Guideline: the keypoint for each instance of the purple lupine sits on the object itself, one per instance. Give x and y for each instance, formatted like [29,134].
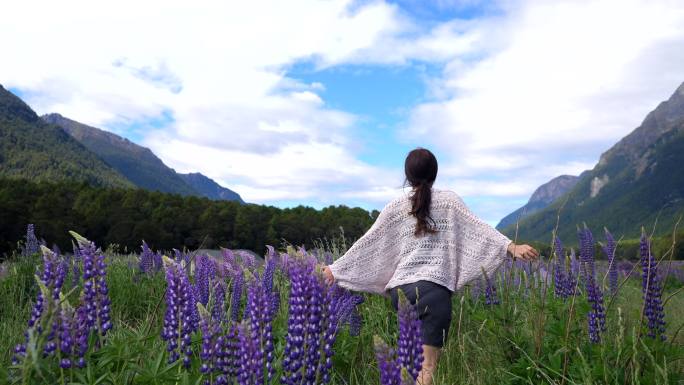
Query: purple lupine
[219,297]
[51,278]
[210,328]
[146,259]
[65,336]
[294,343]
[410,343]
[315,320]
[559,277]
[587,251]
[390,370]
[596,318]
[95,291]
[178,318]
[236,295]
[248,369]
[490,290]
[572,272]
[205,272]
[31,244]
[609,249]
[652,290]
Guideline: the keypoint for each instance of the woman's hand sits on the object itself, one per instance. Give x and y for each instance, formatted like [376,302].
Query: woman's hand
[524,252]
[328,276]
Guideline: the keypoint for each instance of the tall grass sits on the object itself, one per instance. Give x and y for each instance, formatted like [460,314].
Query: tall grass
[530,337]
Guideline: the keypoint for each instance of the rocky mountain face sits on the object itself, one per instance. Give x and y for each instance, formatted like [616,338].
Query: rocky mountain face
[33,149]
[210,189]
[542,197]
[639,179]
[139,164]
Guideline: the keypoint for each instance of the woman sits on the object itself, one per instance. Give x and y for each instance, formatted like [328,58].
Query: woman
[427,244]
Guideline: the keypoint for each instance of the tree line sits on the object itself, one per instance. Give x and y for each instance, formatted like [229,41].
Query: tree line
[125,217]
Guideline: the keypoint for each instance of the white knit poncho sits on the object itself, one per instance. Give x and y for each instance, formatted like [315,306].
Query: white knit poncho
[389,254]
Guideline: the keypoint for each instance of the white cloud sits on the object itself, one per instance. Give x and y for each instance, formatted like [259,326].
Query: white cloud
[538,89]
[558,83]
[218,69]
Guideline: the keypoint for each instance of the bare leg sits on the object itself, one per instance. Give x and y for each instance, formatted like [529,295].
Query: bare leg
[430,358]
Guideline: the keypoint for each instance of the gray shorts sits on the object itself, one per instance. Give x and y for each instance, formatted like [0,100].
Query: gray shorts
[434,309]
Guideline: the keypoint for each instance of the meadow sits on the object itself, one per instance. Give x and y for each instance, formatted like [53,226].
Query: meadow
[562,320]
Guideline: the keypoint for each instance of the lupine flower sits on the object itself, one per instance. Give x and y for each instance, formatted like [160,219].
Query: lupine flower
[205,272]
[95,291]
[209,354]
[410,344]
[572,272]
[652,291]
[490,290]
[236,296]
[587,250]
[146,259]
[390,370]
[178,322]
[31,244]
[609,249]
[219,298]
[596,317]
[294,343]
[248,369]
[559,277]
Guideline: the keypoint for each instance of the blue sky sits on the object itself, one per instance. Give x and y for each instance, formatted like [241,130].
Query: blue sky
[317,102]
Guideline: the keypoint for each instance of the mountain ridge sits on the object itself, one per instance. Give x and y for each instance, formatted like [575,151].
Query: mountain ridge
[637,181]
[33,149]
[139,164]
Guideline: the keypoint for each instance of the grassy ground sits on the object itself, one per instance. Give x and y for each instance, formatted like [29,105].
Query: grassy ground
[529,338]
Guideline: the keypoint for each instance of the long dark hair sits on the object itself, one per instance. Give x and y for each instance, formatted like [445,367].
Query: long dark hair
[421,170]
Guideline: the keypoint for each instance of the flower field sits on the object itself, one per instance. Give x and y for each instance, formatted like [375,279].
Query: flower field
[99,317]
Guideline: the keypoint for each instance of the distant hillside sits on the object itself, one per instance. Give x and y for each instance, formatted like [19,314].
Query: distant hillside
[210,189]
[137,163]
[33,149]
[542,197]
[639,179]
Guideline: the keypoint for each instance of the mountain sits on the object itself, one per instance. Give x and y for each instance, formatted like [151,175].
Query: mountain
[636,182]
[210,189]
[33,149]
[542,197]
[137,163]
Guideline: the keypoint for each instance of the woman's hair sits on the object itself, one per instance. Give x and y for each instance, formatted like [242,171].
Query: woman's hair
[421,170]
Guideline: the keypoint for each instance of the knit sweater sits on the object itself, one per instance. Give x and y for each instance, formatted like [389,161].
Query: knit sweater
[389,254]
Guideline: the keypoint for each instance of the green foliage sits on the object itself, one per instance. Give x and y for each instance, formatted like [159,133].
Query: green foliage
[127,216]
[138,164]
[33,149]
[628,202]
[530,338]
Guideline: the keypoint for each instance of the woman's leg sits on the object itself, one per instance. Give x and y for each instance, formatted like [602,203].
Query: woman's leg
[430,358]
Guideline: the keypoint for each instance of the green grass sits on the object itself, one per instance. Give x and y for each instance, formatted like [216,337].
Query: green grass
[530,338]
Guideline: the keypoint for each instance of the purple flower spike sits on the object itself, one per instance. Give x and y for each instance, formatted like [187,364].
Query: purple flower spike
[31,244]
[146,259]
[609,249]
[559,276]
[178,319]
[390,370]
[410,344]
[652,291]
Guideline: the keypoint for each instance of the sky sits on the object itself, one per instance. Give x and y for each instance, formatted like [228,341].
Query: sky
[318,102]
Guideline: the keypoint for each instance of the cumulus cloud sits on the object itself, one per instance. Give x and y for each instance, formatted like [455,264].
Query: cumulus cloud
[556,84]
[529,91]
